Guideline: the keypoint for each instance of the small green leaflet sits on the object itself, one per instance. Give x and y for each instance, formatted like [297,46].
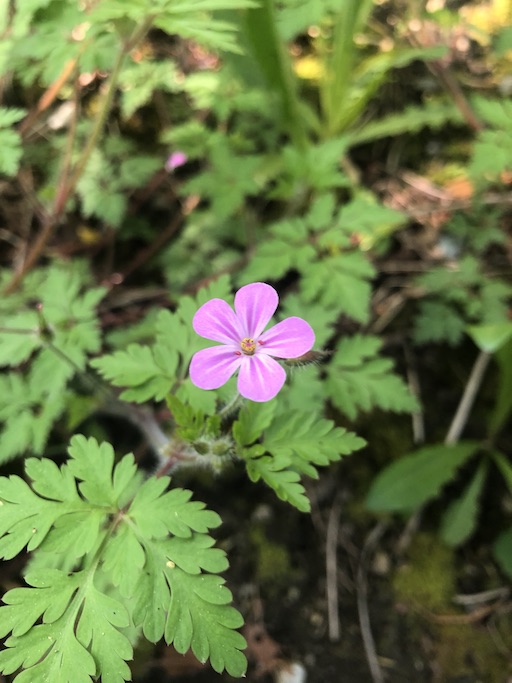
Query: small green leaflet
[291,444]
[10,140]
[309,441]
[359,380]
[137,368]
[199,617]
[253,419]
[277,473]
[459,520]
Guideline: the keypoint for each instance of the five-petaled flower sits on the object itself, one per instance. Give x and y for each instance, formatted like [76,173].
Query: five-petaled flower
[244,344]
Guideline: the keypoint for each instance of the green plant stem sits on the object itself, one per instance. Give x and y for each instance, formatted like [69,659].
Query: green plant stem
[468,397]
[66,188]
[259,26]
[339,56]
[231,405]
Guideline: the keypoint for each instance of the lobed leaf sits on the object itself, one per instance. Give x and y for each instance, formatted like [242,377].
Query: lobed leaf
[78,638]
[278,474]
[309,441]
[200,618]
[157,513]
[358,380]
[252,420]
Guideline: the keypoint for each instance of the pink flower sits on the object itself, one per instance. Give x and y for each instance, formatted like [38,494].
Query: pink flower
[175,160]
[245,347]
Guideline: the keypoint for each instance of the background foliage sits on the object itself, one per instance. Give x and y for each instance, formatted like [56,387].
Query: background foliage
[356,155]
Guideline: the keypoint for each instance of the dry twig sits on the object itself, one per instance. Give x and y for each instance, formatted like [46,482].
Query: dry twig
[362,602]
[331,570]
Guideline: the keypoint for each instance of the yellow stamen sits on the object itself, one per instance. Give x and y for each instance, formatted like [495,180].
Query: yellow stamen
[248,346]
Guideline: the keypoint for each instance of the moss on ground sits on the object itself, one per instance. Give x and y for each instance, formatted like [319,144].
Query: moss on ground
[460,650]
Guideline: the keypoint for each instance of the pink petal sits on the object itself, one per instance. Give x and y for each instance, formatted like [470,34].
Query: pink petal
[254,305]
[216,320]
[290,338]
[211,368]
[260,378]
[175,160]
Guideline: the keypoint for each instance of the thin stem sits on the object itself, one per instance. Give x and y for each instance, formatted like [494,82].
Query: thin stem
[230,405]
[331,570]
[362,603]
[468,397]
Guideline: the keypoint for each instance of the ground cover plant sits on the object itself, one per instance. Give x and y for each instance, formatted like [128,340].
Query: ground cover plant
[255,340]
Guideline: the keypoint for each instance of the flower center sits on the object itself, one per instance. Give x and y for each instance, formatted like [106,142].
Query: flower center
[248,346]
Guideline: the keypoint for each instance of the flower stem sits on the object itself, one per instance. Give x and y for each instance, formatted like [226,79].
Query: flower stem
[231,405]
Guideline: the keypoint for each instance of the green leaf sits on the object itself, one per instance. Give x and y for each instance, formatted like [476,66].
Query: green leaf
[259,29]
[151,371]
[157,513]
[20,336]
[10,115]
[196,554]
[200,618]
[438,321]
[195,22]
[503,405]
[10,140]
[78,638]
[341,283]
[98,629]
[460,518]
[12,151]
[253,419]
[136,368]
[56,341]
[502,551]
[142,539]
[139,80]
[277,473]
[93,464]
[308,441]
[283,249]
[48,652]
[26,518]
[433,114]
[496,112]
[490,338]
[418,477]
[504,467]
[232,177]
[123,560]
[368,220]
[24,606]
[358,380]
[198,615]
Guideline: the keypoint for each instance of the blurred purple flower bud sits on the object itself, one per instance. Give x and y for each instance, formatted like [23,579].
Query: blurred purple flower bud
[175,160]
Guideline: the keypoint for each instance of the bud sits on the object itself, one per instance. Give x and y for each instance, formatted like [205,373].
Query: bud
[308,358]
[175,160]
